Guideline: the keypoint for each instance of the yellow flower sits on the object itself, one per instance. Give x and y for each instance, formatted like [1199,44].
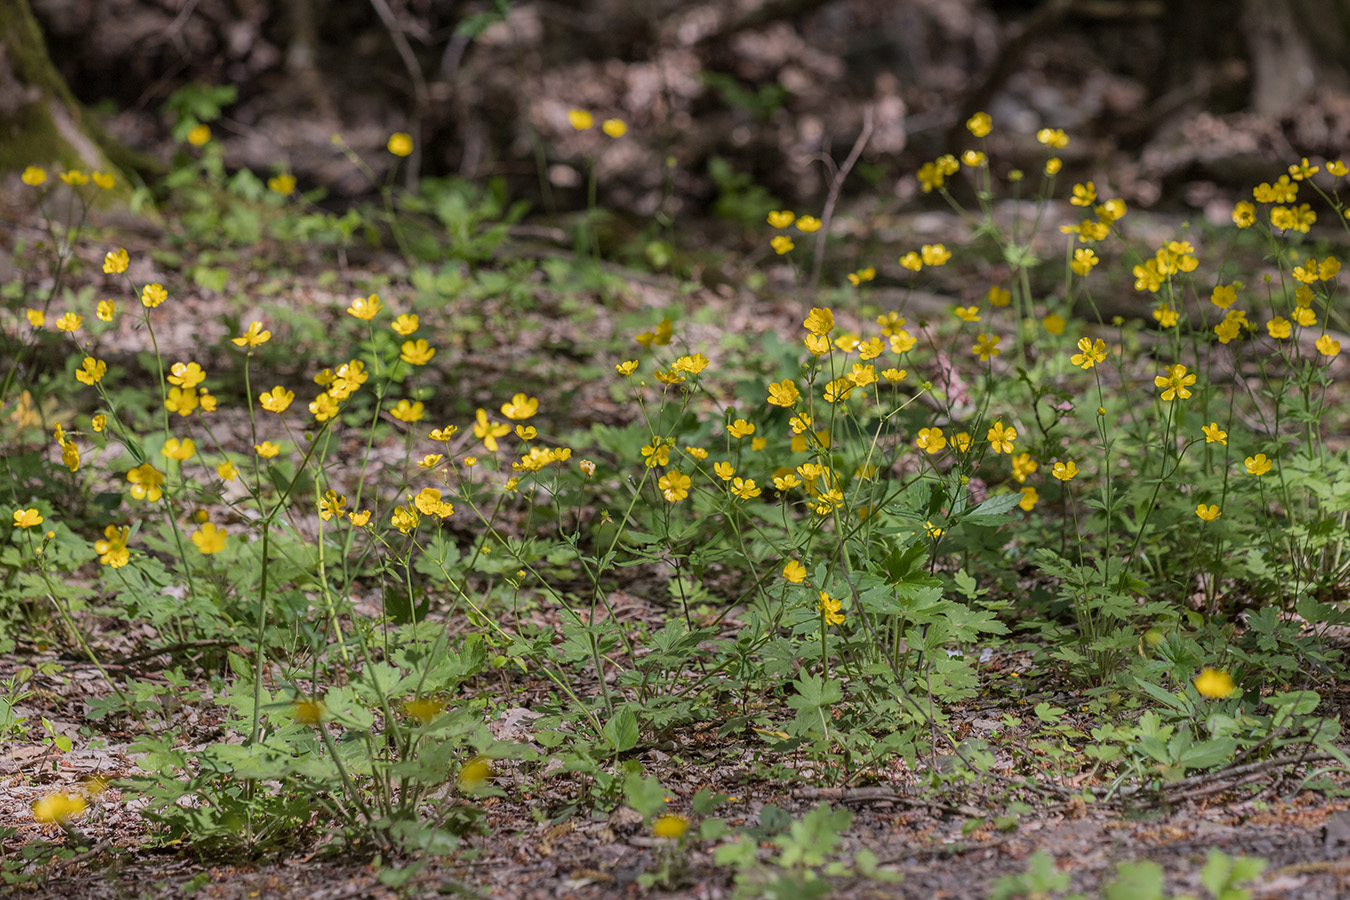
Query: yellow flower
[186,374]
[819,321]
[1174,383]
[1053,165]
[33,176]
[1258,465]
[424,709]
[405,324]
[696,452]
[782,244]
[740,428]
[365,308]
[254,336]
[781,218]
[277,399]
[36,317]
[70,455]
[267,449]
[104,180]
[1244,214]
[308,712]
[1083,261]
[227,471]
[91,371]
[674,486]
[1092,353]
[1327,346]
[930,440]
[1054,323]
[665,329]
[199,135]
[1338,168]
[1214,434]
[1029,498]
[986,346]
[146,482]
[74,178]
[932,530]
[473,775]
[283,184]
[359,519]
[1064,471]
[27,518]
[980,124]
[400,144]
[911,261]
[209,539]
[615,128]
[1279,328]
[670,826]
[967,313]
[974,158]
[626,368]
[690,364]
[829,607]
[429,503]
[657,453]
[794,571]
[1084,194]
[323,407]
[934,254]
[745,488]
[783,393]
[105,310]
[443,434]
[587,467]
[961,441]
[417,353]
[179,450]
[858,277]
[403,519]
[98,422]
[488,431]
[331,505]
[112,550]
[1215,683]
[153,295]
[69,322]
[115,261]
[1207,513]
[724,470]
[58,807]
[409,412]
[1053,137]
[1304,316]
[808,224]
[1001,438]
[580,119]
[1223,295]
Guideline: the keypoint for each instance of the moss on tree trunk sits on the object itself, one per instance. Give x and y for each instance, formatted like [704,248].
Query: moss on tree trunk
[41,123]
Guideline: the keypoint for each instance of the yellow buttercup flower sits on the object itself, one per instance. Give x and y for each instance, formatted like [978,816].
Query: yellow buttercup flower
[146,483]
[1064,471]
[1259,464]
[1029,498]
[199,134]
[1214,434]
[308,712]
[615,128]
[283,184]
[980,124]
[1090,353]
[91,371]
[1215,683]
[254,336]
[417,353]
[277,399]
[580,119]
[740,428]
[819,321]
[365,308]
[1327,346]
[930,440]
[1207,513]
[794,571]
[69,322]
[405,324]
[830,608]
[209,539]
[1001,438]
[408,411]
[115,261]
[27,518]
[58,808]
[781,218]
[267,449]
[180,450]
[782,244]
[153,295]
[400,143]
[33,176]
[670,826]
[986,346]
[112,550]
[674,486]
[1175,383]
[808,224]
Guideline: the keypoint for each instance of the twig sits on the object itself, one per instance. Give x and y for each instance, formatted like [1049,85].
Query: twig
[836,185]
[420,94]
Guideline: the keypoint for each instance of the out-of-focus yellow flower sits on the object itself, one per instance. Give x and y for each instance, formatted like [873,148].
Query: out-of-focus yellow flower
[400,143]
[1215,683]
[58,807]
[199,135]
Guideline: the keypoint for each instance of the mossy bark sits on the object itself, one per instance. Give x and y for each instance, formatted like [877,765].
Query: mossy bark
[41,123]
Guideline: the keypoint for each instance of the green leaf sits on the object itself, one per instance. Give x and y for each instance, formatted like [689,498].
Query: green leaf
[622,730]
[993,511]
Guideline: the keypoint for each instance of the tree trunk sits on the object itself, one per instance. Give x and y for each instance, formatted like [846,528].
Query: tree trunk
[41,123]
